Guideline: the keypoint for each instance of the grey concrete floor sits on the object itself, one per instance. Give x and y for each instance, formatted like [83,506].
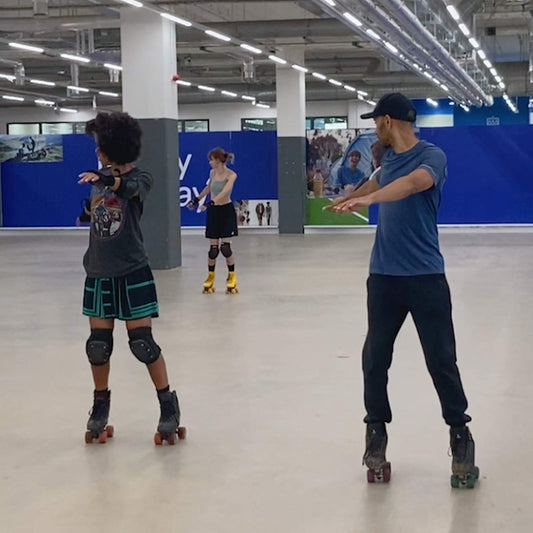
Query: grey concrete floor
[270,386]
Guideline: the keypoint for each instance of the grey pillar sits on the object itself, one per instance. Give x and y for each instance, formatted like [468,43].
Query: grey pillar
[292,183]
[148,45]
[161,219]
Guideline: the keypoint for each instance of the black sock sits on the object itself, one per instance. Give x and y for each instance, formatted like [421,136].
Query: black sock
[161,392]
[231,268]
[211,268]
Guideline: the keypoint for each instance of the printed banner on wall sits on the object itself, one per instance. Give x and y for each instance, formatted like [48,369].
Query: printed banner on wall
[338,161]
[255,191]
[31,148]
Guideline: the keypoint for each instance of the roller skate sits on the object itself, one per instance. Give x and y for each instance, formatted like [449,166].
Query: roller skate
[169,422]
[209,283]
[379,470]
[464,471]
[97,427]
[231,283]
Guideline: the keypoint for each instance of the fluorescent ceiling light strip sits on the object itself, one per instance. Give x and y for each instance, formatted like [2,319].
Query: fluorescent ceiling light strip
[247,97]
[265,106]
[75,58]
[251,48]
[206,88]
[463,27]
[7,77]
[112,67]
[329,2]
[350,88]
[493,71]
[481,54]
[352,19]
[473,42]
[217,35]
[453,12]
[444,87]
[277,59]
[79,89]
[229,93]
[432,102]
[487,63]
[107,93]
[373,34]
[183,82]
[67,110]
[15,98]
[133,3]
[27,47]
[43,82]
[319,76]
[335,82]
[391,47]
[301,69]
[173,18]
[40,101]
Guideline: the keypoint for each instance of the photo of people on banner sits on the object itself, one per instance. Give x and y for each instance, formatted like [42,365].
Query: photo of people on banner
[31,148]
[338,162]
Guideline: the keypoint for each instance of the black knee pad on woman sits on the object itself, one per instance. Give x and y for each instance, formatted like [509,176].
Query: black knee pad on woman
[213,252]
[99,346]
[225,248]
[143,346]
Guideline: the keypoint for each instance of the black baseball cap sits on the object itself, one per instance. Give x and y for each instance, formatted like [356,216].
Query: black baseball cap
[396,105]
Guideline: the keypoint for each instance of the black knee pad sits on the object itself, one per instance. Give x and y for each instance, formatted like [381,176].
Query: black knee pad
[143,346]
[213,252]
[99,346]
[225,248]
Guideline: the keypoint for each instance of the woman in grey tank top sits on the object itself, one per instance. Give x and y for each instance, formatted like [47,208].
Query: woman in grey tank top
[221,223]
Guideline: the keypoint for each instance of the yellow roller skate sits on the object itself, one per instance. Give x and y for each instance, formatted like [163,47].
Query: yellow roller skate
[231,284]
[209,283]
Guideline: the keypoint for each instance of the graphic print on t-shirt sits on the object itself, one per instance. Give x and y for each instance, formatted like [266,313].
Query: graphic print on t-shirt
[107,214]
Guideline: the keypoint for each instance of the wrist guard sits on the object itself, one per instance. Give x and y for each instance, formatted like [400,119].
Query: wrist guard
[103,179]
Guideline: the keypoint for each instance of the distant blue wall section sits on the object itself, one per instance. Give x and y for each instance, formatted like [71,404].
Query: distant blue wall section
[256,165]
[484,116]
[490,174]
[47,194]
[498,114]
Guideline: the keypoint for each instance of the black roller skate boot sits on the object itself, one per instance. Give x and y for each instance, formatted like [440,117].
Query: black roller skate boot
[97,427]
[464,471]
[379,470]
[169,422]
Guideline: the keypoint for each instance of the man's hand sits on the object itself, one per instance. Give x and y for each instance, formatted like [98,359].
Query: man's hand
[334,204]
[353,204]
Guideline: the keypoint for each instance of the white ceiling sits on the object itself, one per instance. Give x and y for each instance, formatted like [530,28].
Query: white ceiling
[333,47]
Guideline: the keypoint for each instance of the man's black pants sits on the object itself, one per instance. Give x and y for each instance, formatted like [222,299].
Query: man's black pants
[427,298]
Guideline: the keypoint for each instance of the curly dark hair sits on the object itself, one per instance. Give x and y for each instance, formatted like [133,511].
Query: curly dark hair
[118,136]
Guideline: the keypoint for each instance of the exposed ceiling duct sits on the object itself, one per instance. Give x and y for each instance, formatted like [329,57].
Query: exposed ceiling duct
[405,39]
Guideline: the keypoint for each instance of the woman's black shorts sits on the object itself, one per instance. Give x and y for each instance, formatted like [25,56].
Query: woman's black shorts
[221,222]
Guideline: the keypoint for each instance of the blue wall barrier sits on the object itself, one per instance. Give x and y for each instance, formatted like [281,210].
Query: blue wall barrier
[489,176]
[256,165]
[47,194]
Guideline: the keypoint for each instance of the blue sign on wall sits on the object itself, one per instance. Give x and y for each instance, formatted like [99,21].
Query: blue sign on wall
[256,165]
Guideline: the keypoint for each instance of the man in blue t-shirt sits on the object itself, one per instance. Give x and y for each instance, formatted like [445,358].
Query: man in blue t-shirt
[407,276]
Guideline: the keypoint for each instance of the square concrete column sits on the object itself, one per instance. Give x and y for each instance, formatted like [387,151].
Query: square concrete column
[292,183]
[148,44]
